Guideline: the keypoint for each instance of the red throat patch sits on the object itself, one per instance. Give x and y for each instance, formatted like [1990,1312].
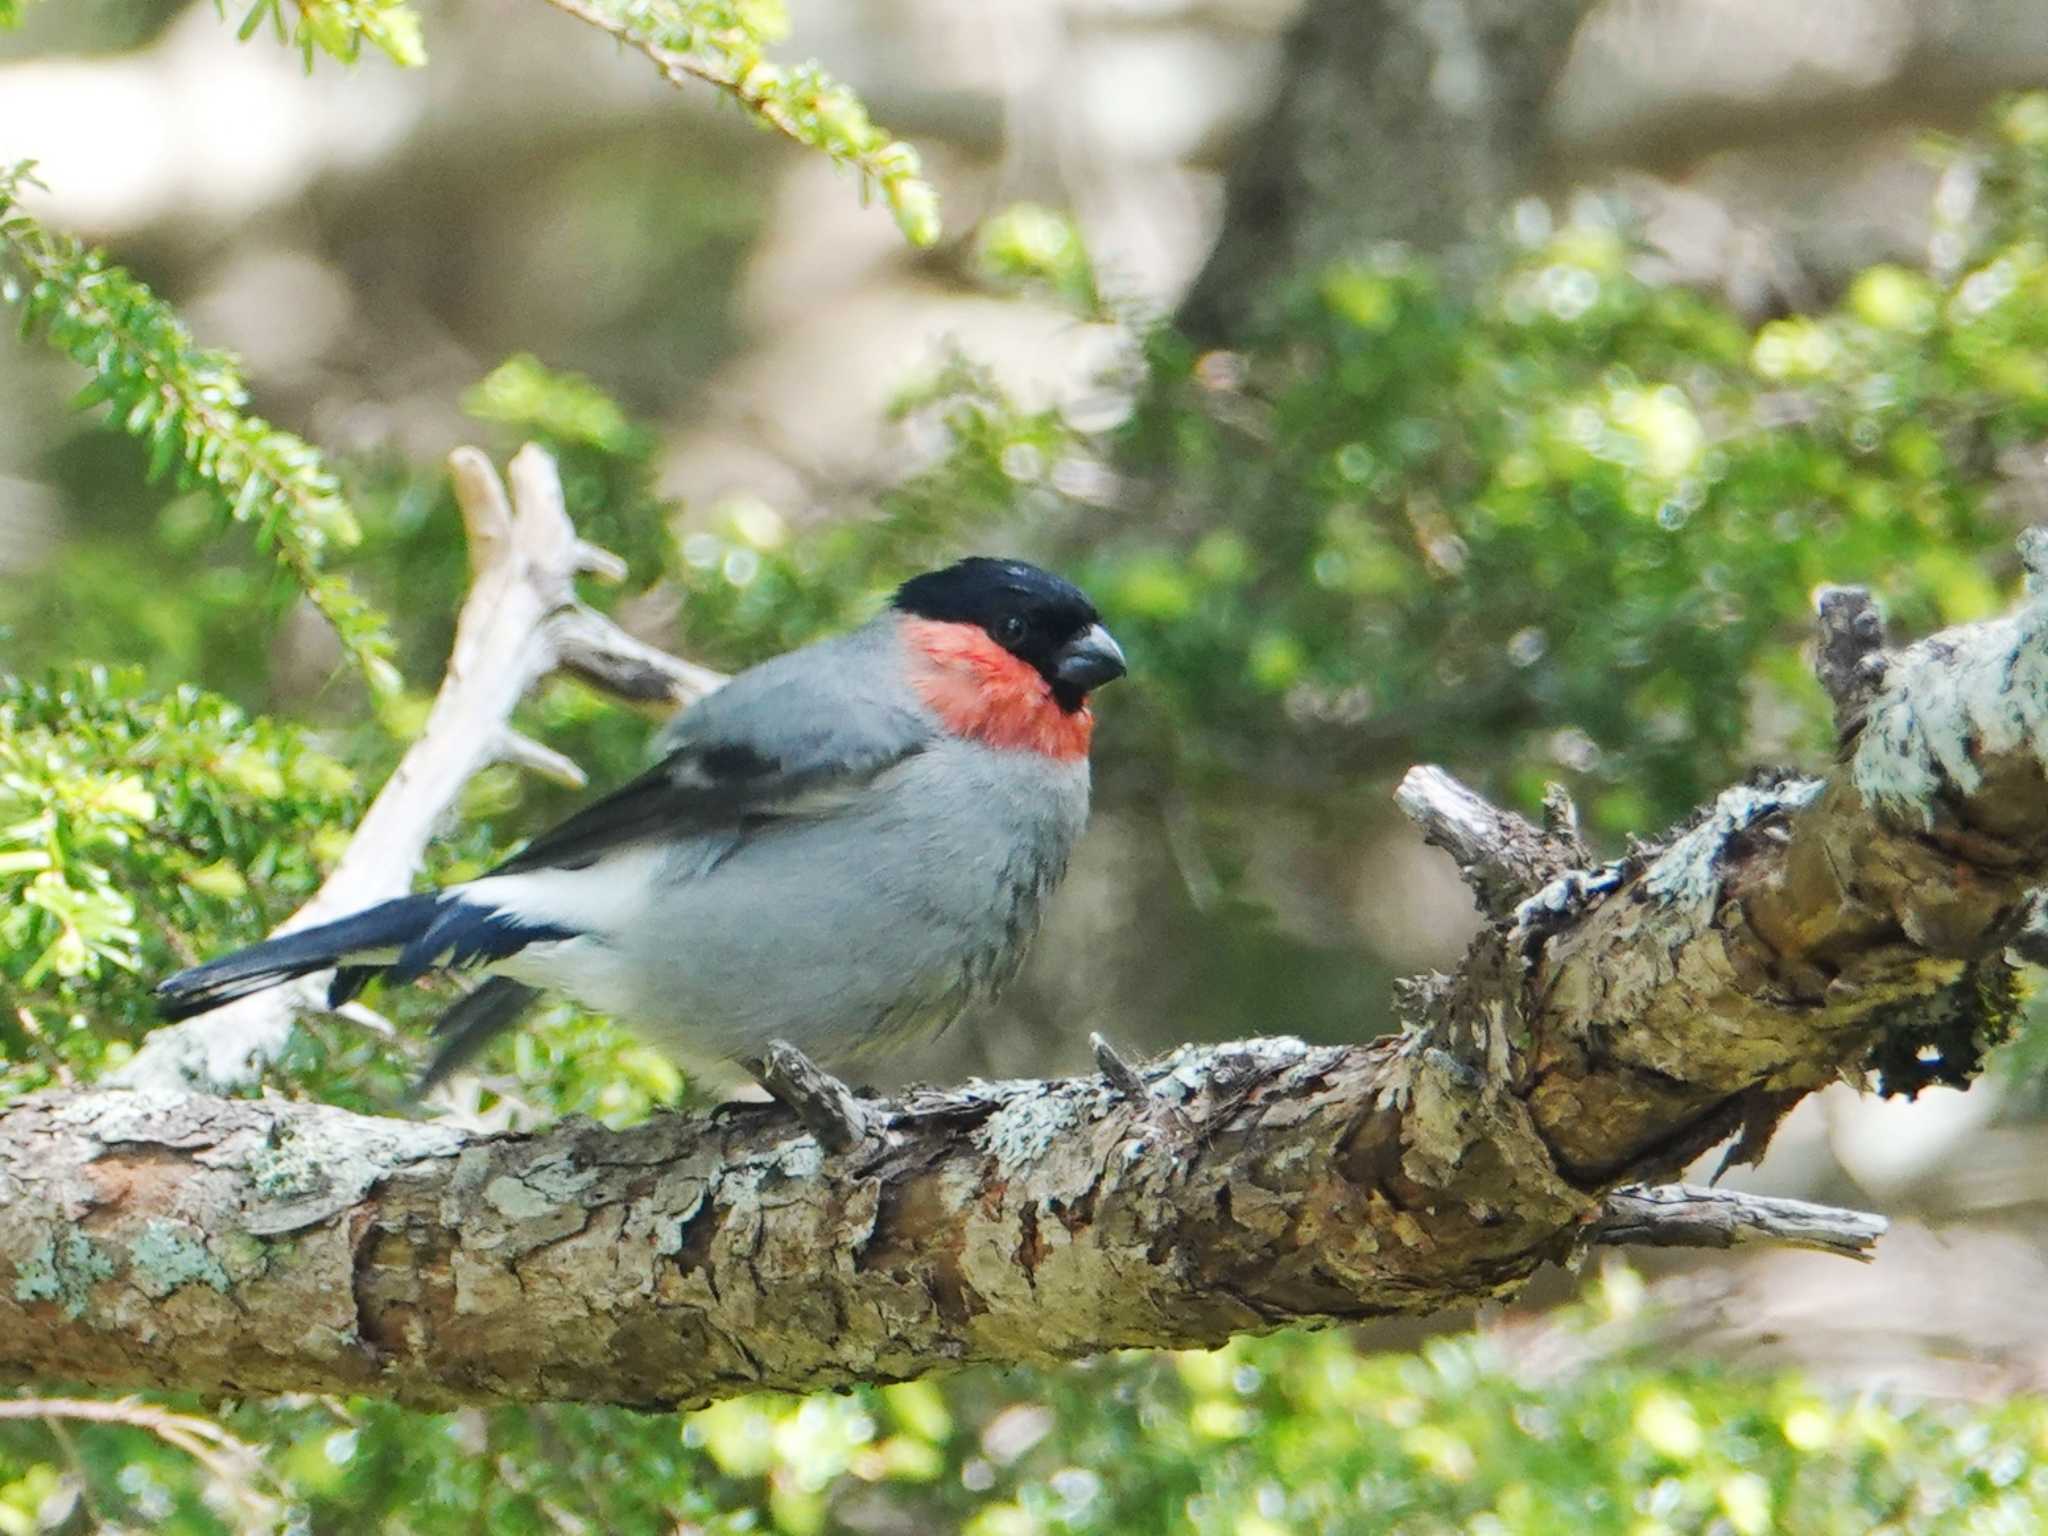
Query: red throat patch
[982,692]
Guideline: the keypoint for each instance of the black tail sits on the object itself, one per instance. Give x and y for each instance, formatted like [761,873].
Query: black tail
[404,938]
[388,926]
[464,1028]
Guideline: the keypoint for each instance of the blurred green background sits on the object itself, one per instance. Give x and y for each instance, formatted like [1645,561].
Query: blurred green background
[1526,461]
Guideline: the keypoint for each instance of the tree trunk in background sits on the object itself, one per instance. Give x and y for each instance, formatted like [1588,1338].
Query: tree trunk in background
[1409,120]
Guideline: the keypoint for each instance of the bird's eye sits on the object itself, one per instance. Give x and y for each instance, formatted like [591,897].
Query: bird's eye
[1011,629]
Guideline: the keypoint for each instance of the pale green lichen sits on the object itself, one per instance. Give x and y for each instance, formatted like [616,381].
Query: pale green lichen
[1949,702]
[242,1255]
[1025,1128]
[515,1198]
[799,1158]
[170,1254]
[63,1269]
[1198,1067]
[288,1167]
[326,1160]
[1689,872]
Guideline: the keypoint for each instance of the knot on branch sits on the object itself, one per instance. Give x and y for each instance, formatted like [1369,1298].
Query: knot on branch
[1850,659]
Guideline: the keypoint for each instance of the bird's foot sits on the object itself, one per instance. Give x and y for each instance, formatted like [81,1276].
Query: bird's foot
[826,1106]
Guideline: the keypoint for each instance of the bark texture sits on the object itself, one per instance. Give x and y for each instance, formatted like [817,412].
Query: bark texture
[240,1246]
[1611,1025]
[1402,120]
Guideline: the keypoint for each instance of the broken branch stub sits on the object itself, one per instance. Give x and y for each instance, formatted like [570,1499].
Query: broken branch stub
[1687,1216]
[826,1106]
[1849,654]
[1502,857]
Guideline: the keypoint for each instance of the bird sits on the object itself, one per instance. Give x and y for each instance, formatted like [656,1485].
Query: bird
[845,848]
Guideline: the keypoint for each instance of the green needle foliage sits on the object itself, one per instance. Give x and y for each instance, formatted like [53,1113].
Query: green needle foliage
[1558,523]
[185,402]
[724,44]
[339,28]
[138,832]
[721,43]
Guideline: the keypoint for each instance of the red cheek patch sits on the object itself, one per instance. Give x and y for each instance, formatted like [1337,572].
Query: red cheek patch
[982,692]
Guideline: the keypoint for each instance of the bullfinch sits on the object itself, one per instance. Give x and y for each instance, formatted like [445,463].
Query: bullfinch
[844,847]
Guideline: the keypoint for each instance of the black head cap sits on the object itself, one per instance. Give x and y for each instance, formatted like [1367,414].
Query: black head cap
[1036,616]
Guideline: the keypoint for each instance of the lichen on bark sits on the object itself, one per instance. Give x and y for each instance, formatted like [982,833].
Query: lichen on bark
[1602,1032]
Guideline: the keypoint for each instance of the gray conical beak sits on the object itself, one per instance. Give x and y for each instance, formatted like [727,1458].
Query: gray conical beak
[1089,660]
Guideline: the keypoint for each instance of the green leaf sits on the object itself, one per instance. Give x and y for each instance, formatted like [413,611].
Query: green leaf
[523,392]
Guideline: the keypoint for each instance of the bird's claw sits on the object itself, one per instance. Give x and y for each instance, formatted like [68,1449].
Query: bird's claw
[826,1106]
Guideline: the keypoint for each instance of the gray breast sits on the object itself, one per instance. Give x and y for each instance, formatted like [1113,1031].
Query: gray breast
[865,929]
[997,830]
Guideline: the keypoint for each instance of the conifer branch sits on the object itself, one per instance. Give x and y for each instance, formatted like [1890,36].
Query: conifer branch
[721,45]
[185,401]
[339,28]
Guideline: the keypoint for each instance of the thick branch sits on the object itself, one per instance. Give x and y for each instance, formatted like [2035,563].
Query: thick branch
[265,1245]
[1617,1024]
[242,1246]
[521,622]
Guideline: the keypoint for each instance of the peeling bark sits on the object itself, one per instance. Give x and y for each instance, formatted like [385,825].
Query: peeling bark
[265,1246]
[1605,1030]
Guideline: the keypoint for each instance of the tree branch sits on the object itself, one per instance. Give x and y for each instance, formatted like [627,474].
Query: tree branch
[1610,1028]
[803,105]
[1501,856]
[520,622]
[1686,1216]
